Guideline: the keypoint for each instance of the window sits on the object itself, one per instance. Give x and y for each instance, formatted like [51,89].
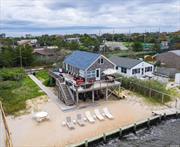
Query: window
[91,74]
[123,70]
[147,69]
[116,67]
[102,60]
[136,71]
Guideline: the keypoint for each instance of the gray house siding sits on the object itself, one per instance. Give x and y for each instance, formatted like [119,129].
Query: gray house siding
[98,65]
[107,64]
[90,73]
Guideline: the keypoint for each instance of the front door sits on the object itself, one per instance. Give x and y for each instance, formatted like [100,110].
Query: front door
[98,74]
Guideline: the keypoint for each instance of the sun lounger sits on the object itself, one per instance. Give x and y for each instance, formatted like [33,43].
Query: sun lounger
[107,113]
[98,114]
[80,120]
[89,117]
[69,123]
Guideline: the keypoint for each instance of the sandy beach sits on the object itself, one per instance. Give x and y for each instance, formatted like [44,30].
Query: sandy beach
[27,132]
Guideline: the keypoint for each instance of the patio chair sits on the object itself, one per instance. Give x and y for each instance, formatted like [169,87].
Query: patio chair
[69,123]
[98,114]
[107,113]
[80,120]
[89,117]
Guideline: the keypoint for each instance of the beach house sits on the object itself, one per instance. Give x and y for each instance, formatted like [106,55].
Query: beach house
[85,75]
[132,67]
[87,65]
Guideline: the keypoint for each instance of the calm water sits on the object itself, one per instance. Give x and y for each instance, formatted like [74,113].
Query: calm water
[165,134]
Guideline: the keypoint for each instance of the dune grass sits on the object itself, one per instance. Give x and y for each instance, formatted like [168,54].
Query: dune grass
[14,93]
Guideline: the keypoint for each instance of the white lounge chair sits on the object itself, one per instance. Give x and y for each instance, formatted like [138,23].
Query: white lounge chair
[107,113]
[69,123]
[98,114]
[89,117]
[80,120]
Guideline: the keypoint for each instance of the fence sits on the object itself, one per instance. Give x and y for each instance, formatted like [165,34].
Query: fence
[145,91]
[5,136]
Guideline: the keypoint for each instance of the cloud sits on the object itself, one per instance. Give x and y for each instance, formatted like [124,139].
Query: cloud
[53,14]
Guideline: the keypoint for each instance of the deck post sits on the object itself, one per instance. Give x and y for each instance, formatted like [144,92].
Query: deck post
[93,96]
[106,94]
[77,97]
[119,87]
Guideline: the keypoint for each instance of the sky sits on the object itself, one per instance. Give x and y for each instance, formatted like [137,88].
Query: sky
[19,17]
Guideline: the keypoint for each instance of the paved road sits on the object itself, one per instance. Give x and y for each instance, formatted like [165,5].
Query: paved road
[50,94]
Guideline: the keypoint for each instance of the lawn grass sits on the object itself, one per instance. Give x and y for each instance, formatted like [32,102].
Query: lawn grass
[129,53]
[14,93]
[42,75]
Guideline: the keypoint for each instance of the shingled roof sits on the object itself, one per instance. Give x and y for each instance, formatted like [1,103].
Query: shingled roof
[125,62]
[81,59]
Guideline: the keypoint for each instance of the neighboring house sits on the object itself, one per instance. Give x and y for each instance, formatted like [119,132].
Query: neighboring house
[2,35]
[44,53]
[132,67]
[164,45]
[70,40]
[170,59]
[113,45]
[31,42]
[166,72]
[87,65]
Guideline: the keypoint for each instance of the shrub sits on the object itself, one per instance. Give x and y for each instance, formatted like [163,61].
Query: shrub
[14,74]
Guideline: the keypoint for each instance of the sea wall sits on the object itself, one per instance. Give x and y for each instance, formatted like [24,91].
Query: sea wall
[118,133]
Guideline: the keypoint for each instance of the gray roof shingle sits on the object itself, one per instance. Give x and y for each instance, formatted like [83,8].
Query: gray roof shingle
[125,62]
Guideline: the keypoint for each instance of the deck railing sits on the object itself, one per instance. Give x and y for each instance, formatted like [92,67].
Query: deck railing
[5,136]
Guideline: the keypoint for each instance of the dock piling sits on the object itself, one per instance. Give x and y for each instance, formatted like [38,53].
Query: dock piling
[86,143]
[134,127]
[120,133]
[104,137]
[164,115]
[148,122]
[160,116]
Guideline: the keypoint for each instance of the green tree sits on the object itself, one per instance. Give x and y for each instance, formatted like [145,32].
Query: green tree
[156,47]
[26,53]
[137,46]
[7,57]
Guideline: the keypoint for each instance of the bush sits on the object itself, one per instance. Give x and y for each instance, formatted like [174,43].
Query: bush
[143,88]
[14,74]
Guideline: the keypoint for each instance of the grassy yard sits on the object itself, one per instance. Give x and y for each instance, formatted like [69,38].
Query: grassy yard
[129,53]
[44,77]
[14,92]
[142,87]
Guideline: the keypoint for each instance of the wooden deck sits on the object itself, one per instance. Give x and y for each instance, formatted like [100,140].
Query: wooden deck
[98,85]
[106,85]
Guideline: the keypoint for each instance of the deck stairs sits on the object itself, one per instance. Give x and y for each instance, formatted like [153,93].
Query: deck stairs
[65,94]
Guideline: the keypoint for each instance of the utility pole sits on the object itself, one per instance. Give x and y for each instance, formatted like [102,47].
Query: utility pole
[20,56]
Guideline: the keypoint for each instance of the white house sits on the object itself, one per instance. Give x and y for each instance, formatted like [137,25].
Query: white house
[132,67]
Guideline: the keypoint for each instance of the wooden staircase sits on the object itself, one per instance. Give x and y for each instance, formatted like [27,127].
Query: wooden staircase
[65,94]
